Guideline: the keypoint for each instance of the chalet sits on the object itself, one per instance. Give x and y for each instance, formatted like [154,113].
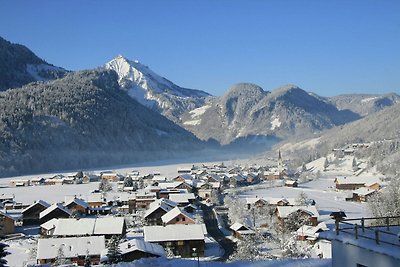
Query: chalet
[190,208]
[164,193]
[180,238]
[95,200]
[74,249]
[311,233]
[144,199]
[363,194]
[311,212]
[136,249]
[20,182]
[255,202]
[71,227]
[205,190]
[38,181]
[291,183]
[239,230]
[30,215]
[183,199]
[7,224]
[177,216]
[90,178]
[77,205]
[56,210]
[184,178]
[6,199]
[355,182]
[111,176]
[156,210]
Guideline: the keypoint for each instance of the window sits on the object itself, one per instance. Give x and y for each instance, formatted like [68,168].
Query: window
[183,219]
[177,219]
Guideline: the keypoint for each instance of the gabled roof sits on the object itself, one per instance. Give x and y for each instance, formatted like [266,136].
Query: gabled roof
[53,208]
[170,215]
[237,226]
[6,215]
[364,191]
[86,226]
[357,180]
[307,230]
[141,245]
[77,201]
[174,232]
[182,198]
[40,202]
[156,206]
[285,211]
[47,248]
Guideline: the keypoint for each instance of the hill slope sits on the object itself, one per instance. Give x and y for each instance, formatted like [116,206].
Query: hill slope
[20,66]
[364,104]
[81,120]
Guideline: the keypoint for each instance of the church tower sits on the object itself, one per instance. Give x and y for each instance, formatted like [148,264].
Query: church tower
[280,165]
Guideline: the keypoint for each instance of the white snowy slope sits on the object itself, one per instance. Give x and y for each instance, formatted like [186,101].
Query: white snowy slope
[154,91]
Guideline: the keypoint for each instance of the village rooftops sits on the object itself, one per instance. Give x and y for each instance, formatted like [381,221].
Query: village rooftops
[312,231]
[174,232]
[77,201]
[47,248]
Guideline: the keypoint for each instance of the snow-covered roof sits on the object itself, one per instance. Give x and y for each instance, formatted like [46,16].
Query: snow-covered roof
[159,204]
[49,224]
[307,230]
[357,180]
[364,191]
[174,232]
[253,200]
[77,201]
[170,215]
[47,248]
[236,226]
[40,202]
[52,208]
[141,245]
[95,197]
[285,211]
[85,226]
[182,198]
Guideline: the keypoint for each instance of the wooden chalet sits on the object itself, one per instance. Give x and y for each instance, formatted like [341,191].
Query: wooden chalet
[30,215]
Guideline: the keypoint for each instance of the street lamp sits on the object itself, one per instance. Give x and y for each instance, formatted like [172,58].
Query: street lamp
[196,254]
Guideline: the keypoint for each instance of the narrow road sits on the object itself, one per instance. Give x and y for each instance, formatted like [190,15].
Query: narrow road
[212,228]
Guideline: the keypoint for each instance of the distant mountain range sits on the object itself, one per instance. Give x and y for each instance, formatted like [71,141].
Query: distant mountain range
[124,112]
[246,109]
[20,66]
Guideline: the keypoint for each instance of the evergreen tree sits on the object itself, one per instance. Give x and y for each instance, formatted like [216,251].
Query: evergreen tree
[114,253]
[60,258]
[3,254]
[326,164]
[105,186]
[128,182]
[354,164]
[303,167]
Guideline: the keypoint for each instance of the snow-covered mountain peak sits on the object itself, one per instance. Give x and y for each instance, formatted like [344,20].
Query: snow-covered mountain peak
[153,90]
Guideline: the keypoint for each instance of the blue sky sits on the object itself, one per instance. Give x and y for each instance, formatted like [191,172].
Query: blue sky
[327,47]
